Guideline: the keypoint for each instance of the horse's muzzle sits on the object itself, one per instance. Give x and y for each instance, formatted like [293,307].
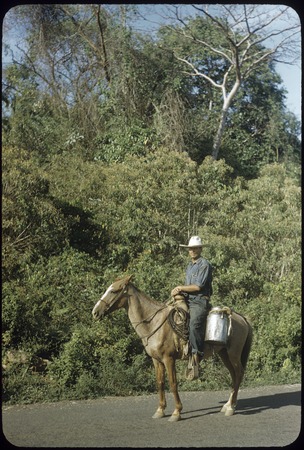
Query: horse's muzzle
[97,315]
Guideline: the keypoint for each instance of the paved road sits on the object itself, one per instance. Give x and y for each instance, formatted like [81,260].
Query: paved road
[266,417]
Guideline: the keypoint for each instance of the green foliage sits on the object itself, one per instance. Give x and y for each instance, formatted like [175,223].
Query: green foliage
[102,360]
[41,307]
[32,225]
[147,202]
[259,130]
[129,217]
[132,95]
[134,139]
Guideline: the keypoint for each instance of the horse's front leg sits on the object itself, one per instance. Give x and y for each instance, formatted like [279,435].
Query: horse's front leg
[160,381]
[171,371]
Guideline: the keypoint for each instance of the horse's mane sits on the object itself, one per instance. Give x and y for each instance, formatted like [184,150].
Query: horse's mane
[147,297]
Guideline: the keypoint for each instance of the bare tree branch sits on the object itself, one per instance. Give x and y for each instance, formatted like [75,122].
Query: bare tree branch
[197,73]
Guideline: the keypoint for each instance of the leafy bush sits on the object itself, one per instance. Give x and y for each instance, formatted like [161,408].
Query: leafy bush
[104,359]
[40,310]
[129,217]
[32,225]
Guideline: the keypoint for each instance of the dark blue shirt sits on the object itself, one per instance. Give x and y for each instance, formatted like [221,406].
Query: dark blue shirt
[200,273]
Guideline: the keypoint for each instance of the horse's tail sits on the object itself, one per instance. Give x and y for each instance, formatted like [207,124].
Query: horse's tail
[247,346]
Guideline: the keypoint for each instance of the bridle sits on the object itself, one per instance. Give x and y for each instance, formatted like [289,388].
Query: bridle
[116,298]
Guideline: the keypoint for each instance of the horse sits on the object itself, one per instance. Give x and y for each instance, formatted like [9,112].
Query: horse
[149,319]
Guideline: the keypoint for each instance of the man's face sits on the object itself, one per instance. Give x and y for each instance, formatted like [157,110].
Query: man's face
[195,252]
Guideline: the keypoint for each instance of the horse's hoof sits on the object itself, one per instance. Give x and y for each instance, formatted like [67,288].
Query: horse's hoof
[158,415]
[174,418]
[229,412]
[224,408]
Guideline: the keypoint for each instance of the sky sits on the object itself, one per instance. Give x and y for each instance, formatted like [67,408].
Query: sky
[291,74]
[292,81]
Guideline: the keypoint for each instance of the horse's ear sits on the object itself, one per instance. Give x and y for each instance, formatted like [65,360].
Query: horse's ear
[119,283]
[129,278]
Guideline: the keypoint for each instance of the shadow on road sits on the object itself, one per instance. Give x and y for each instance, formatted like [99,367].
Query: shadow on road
[202,411]
[254,405]
[258,404]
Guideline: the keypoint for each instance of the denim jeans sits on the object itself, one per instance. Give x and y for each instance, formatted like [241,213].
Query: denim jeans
[199,309]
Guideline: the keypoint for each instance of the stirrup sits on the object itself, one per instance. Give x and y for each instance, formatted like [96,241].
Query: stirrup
[193,370]
[192,373]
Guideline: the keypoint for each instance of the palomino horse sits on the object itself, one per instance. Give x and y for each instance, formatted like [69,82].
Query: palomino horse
[149,319]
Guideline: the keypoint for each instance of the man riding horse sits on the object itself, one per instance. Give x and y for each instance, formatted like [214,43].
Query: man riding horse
[149,318]
[197,291]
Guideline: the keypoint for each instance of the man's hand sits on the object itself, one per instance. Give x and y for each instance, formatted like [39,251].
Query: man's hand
[189,289]
[176,291]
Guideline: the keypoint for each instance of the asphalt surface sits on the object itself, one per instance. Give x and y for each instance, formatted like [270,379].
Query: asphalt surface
[268,416]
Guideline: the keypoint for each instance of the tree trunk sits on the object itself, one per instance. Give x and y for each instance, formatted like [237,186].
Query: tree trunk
[227,102]
[219,134]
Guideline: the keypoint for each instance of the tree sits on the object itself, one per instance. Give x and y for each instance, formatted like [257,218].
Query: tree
[61,50]
[259,130]
[86,82]
[245,32]
[88,69]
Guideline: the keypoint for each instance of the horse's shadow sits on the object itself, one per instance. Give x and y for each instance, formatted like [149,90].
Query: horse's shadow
[258,404]
[254,405]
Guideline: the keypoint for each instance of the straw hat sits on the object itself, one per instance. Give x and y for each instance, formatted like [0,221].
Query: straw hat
[194,241]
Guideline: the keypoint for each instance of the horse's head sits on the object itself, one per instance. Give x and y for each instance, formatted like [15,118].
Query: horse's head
[114,298]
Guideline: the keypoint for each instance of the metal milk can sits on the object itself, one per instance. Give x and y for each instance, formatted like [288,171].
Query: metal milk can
[217,326]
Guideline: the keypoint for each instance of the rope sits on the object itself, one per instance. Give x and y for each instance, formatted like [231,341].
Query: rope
[182,328]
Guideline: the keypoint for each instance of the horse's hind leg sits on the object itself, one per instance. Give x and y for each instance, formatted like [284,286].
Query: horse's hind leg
[237,372]
[160,381]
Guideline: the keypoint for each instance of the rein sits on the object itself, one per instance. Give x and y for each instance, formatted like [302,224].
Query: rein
[147,320]
[154,331]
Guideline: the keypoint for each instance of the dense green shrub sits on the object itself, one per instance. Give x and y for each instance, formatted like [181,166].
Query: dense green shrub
[39,310]
[103,359]
[31,223]
[129,217]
